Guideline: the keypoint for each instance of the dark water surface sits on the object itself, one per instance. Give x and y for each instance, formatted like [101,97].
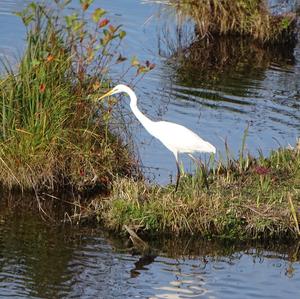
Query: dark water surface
[216,92]
[40,261]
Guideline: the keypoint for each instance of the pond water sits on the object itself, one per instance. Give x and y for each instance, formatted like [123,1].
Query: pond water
[40,261]
[217,100]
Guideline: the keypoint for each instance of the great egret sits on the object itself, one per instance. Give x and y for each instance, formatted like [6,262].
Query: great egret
[176,138]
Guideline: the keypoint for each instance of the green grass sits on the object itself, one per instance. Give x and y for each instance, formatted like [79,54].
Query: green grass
[241,17]
[52,135]
[247,198]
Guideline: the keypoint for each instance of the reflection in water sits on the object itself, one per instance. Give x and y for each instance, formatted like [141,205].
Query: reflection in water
[212,63]
[41,261]
[29,252]
[140,265]
[239,78]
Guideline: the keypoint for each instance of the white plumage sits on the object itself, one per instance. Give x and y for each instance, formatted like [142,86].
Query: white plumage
[176,138]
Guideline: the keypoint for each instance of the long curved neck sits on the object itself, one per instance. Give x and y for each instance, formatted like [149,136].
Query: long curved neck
[145,121]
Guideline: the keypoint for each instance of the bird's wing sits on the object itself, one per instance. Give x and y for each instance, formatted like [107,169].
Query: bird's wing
[179,138]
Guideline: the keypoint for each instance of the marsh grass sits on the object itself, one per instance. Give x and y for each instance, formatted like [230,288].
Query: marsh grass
[246,198]
[241,17]
[52,134]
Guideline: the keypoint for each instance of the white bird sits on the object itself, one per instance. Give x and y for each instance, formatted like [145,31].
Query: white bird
[176,138]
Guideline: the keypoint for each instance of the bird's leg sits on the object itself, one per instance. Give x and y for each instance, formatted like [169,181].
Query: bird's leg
[194,159]
[178,175]
[205,177]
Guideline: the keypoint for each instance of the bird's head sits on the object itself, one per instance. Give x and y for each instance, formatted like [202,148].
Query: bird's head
[117,89]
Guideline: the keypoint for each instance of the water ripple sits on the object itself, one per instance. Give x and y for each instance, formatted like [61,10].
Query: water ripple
[38,261]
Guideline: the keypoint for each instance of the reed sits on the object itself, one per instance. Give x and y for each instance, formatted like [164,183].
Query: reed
[52,134]
[241,17]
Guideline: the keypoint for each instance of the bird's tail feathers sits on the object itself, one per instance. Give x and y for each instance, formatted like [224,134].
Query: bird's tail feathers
[209,148]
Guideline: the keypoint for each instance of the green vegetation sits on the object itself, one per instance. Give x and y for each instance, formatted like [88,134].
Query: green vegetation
[52,135]
[240,17]
[244,198]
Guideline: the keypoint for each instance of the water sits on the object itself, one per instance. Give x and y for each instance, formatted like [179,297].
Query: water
[218,100]
[40,261]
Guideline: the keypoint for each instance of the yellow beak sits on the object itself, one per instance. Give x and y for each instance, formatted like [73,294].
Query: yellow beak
[106,94]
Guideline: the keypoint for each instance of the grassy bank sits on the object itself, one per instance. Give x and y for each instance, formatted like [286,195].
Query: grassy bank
[52,135]
[242,17]
[247,198]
